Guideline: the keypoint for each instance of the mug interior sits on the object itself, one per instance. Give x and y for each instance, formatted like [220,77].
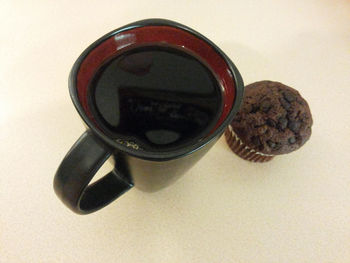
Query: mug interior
[156,35]
[156,32]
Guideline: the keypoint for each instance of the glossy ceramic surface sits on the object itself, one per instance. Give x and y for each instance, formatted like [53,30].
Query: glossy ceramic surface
[149,171]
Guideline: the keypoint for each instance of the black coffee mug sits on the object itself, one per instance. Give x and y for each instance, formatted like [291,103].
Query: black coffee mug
[148,171]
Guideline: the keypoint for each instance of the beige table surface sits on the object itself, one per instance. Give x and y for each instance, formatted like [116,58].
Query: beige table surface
[293,209]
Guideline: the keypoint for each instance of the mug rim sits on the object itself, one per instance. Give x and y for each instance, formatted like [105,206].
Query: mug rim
[148,155]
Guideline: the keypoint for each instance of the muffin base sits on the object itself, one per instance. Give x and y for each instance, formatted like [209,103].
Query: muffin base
[242,150]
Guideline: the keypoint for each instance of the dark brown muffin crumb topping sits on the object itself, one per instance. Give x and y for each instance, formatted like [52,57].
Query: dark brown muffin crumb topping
[274,118]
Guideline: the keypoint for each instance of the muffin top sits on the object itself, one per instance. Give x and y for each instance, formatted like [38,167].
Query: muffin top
[274,118]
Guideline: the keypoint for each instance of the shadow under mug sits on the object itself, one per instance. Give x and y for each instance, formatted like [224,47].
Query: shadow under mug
[148,171]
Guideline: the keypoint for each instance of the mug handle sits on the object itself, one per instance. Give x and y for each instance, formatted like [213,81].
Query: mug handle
[71,182]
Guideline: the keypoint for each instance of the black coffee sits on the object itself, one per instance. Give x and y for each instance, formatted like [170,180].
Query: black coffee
[155,99]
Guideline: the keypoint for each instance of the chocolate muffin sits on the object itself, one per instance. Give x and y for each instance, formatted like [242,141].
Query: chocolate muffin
[274,119]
